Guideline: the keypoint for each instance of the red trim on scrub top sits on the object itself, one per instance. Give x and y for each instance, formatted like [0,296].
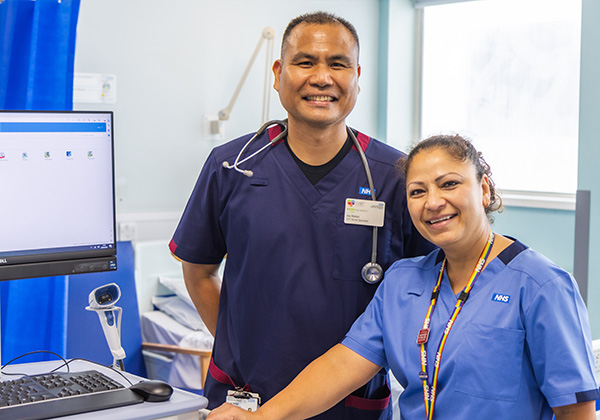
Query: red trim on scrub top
[274,131]
[222,377]
[366,404]
[172,246]
[363,140]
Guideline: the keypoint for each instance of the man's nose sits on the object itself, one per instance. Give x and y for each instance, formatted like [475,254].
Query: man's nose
[321,75]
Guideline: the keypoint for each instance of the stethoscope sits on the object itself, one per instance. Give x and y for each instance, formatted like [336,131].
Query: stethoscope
[371,272]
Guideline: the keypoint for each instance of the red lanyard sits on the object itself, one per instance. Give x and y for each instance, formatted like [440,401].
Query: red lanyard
[429,389]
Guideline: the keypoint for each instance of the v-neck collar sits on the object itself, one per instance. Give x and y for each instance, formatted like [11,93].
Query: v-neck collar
[335,178]
[499,263]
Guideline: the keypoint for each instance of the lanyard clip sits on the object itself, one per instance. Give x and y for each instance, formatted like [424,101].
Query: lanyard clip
[240,393]
[463,296]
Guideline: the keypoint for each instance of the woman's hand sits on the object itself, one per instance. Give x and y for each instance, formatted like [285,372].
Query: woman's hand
[230,412]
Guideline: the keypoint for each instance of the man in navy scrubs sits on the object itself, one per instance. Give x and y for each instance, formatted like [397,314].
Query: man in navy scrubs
[292,284]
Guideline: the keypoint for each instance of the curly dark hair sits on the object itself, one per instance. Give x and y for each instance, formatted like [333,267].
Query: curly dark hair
[462,150]
[320,18]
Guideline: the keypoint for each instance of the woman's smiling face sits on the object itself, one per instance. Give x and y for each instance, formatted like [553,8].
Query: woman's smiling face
[445,199]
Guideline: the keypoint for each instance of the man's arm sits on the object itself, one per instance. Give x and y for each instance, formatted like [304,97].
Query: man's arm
[204,286]
[320,386]
[579,411]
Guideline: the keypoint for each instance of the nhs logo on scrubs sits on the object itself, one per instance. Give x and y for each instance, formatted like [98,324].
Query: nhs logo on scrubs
[365,191]
[497,297]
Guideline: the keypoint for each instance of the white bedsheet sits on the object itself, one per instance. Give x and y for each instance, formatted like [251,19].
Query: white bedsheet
[158,327]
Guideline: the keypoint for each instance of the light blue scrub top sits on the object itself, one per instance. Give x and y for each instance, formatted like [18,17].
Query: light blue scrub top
[520,345]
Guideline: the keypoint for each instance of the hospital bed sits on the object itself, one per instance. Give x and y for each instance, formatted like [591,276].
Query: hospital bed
[176,343]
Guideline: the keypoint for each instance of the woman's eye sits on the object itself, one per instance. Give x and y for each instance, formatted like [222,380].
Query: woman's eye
[450,184]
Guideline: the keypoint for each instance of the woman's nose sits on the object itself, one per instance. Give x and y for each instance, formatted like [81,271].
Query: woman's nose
[434,200]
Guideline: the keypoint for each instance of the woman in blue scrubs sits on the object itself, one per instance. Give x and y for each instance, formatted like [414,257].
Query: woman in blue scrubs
[483,327]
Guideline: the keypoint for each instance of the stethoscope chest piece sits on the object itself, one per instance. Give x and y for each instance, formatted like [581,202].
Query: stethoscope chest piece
[372,273]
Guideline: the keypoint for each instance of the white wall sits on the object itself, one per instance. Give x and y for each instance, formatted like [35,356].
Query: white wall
[176,61]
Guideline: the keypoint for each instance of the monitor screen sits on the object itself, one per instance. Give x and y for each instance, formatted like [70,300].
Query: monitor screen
[57,199]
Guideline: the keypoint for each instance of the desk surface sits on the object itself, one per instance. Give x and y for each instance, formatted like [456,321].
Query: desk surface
[181,402]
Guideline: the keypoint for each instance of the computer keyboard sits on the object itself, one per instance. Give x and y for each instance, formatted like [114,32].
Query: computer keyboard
[60,394]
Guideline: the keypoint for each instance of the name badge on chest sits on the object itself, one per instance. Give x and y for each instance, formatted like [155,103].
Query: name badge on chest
[248,401]
[364,212]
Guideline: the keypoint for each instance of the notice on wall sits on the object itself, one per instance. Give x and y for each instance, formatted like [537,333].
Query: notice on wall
[94,88]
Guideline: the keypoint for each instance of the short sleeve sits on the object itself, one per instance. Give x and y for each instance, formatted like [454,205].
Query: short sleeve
[559,341]
[199,238]
[366,334]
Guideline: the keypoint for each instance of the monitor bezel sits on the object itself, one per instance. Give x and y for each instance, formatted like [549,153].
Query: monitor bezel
[42,263]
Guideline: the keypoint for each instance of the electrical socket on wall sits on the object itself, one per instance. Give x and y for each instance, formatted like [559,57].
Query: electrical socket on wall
[127,231]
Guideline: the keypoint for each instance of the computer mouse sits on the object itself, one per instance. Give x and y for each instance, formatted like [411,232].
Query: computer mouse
[153,391]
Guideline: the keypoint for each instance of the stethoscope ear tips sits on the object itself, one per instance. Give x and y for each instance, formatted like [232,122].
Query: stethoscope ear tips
[248,173]
[372,273]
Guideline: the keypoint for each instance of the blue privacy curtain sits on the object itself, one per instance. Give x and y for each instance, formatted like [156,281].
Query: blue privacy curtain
[37,50]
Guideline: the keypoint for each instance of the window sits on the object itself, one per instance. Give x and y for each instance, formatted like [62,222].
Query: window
[505,73]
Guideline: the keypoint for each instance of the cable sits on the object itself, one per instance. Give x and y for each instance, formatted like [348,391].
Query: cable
[64,364]
[30,353]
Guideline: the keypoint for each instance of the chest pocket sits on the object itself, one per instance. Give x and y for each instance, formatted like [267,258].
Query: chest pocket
[490,362]
[259,182]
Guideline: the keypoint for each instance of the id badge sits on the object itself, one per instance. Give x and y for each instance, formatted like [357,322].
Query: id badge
[364,212]
[248,401]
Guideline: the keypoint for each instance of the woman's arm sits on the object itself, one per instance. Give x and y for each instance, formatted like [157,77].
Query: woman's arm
[579,411]
[320,386]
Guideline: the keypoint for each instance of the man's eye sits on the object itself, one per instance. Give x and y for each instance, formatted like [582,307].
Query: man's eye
[305,64]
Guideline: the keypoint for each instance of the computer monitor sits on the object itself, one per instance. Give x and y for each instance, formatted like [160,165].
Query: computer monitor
[57,197]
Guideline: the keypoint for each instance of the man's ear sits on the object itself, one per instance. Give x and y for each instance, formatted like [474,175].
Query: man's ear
[277,73]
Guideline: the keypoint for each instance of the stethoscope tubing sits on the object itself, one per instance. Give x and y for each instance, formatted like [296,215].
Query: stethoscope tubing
[365,163]
[371,272]
[265,126]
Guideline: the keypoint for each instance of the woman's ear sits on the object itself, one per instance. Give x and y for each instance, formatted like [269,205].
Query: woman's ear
[486,191]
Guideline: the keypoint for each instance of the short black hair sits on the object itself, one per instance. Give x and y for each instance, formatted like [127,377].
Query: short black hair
[320,18]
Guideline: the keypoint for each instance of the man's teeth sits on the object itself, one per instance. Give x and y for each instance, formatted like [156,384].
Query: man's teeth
[431,222]
[320,98]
